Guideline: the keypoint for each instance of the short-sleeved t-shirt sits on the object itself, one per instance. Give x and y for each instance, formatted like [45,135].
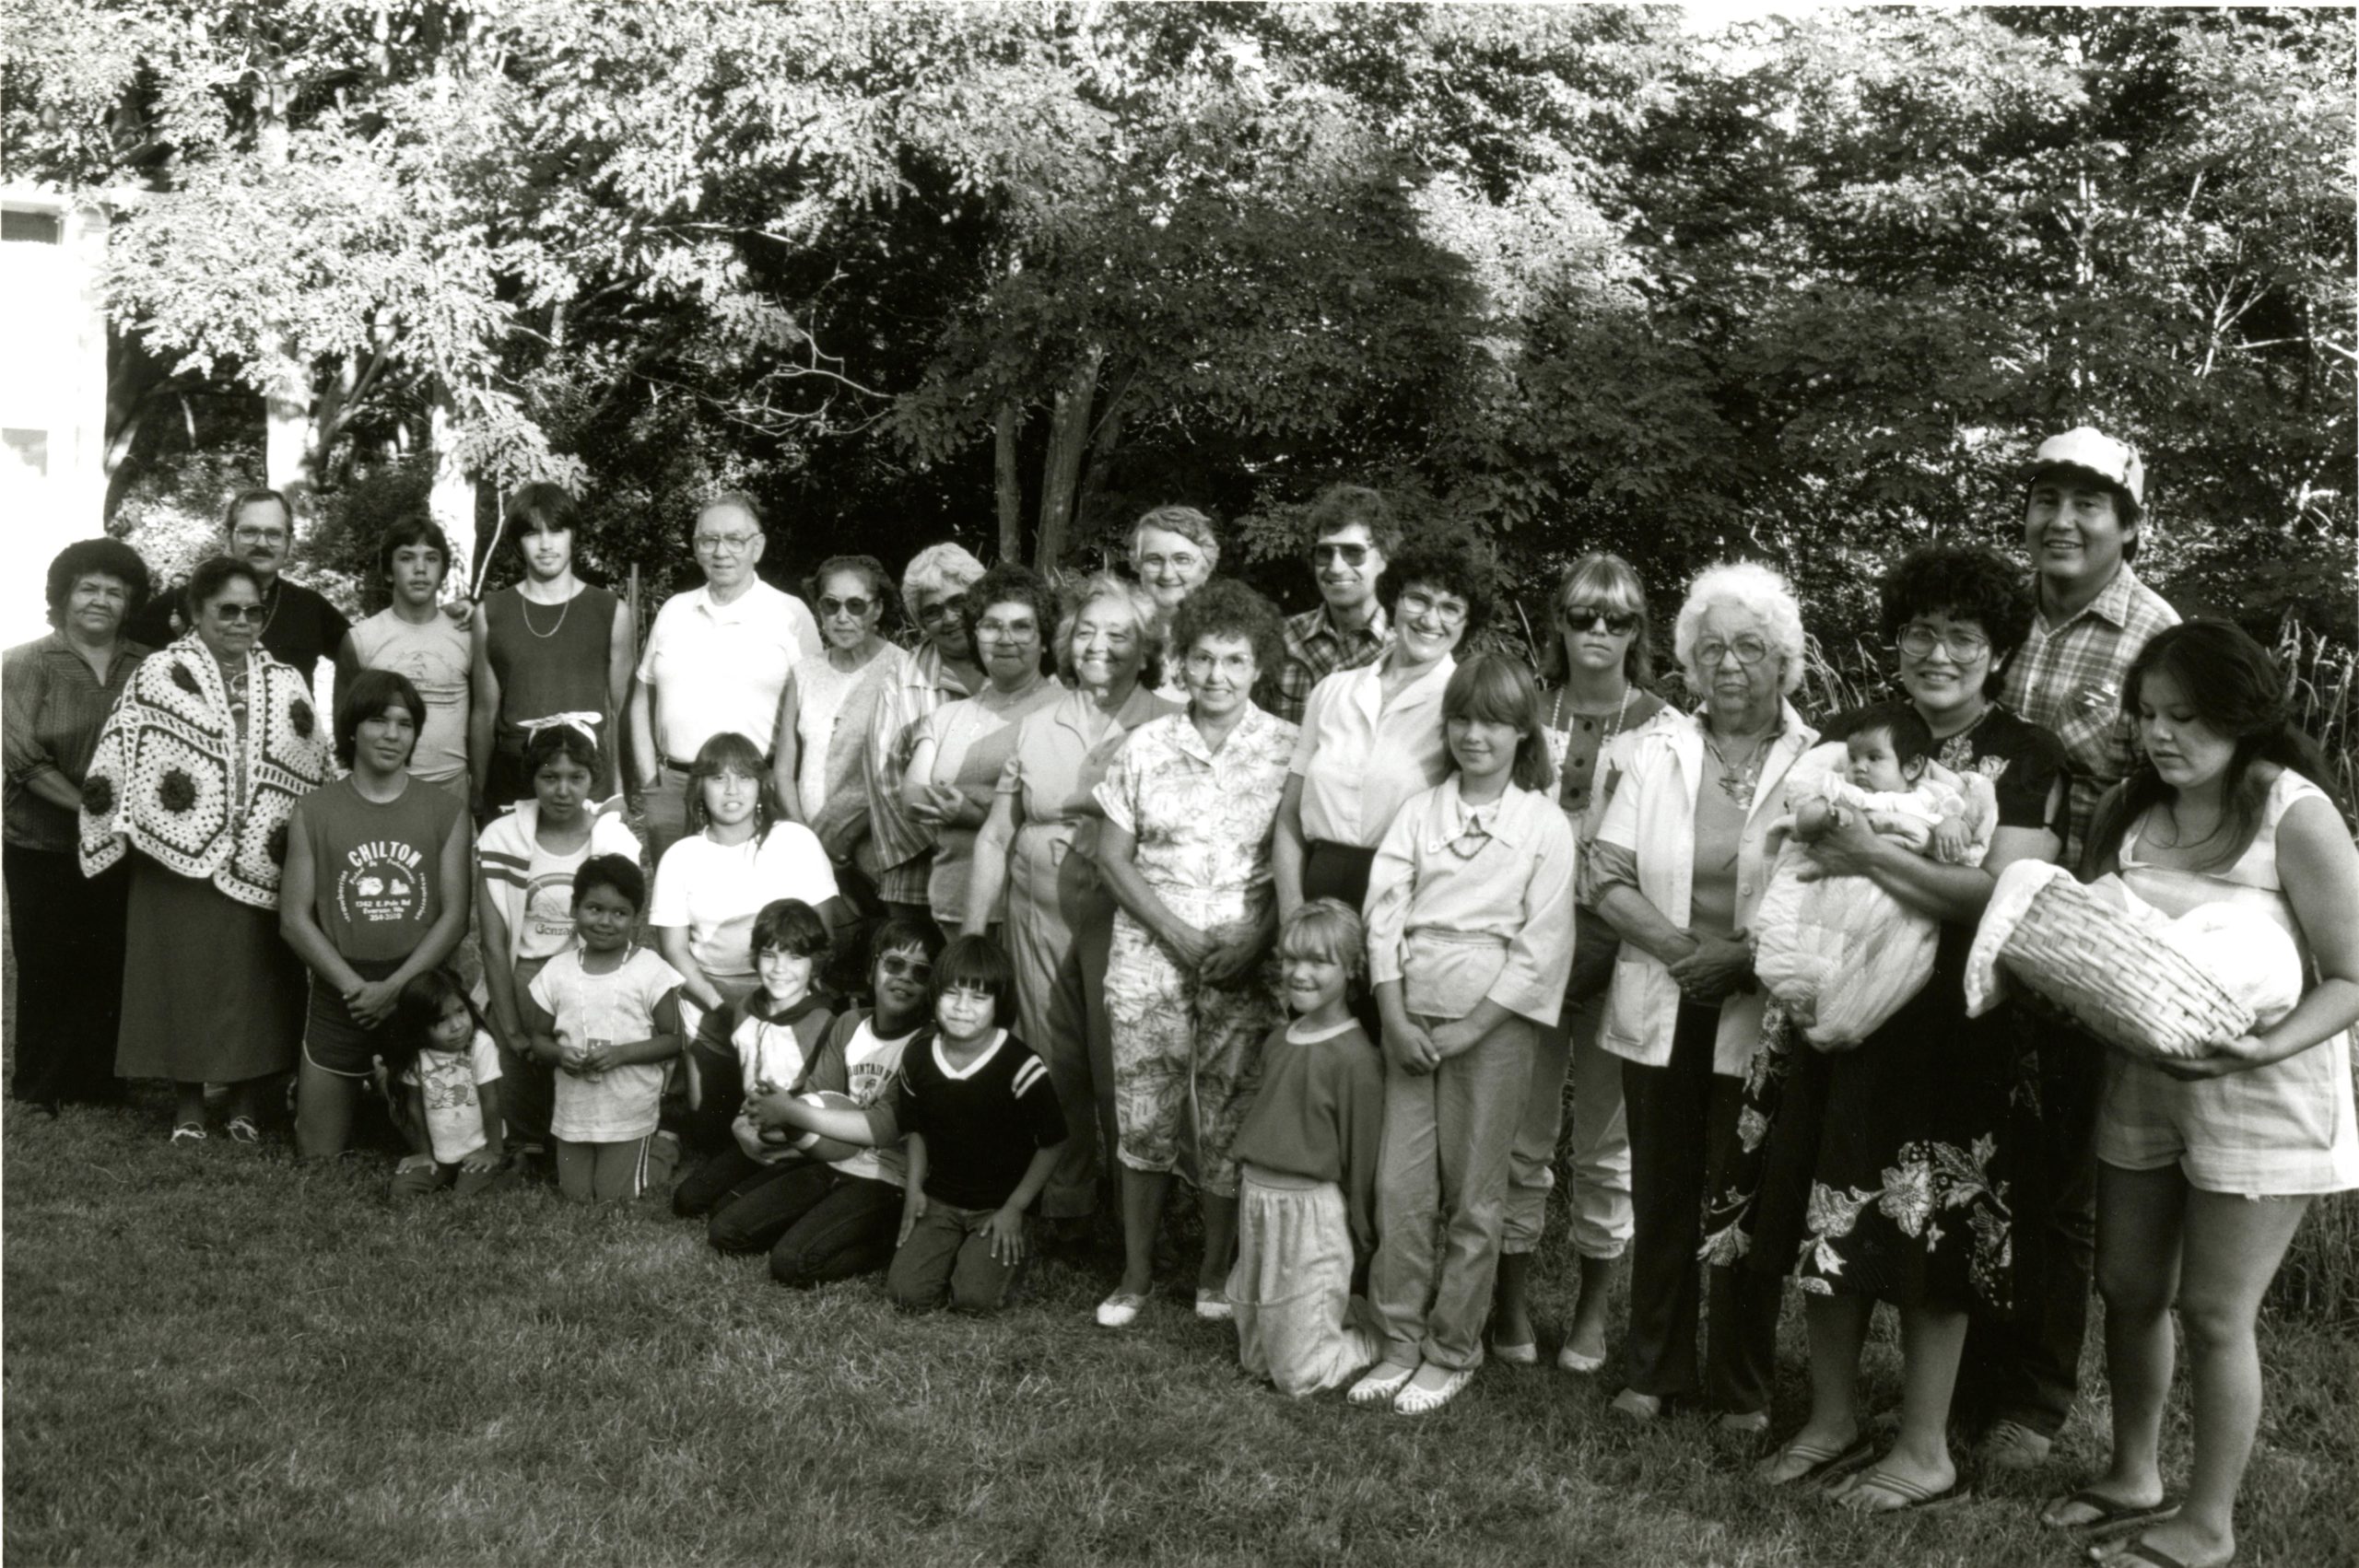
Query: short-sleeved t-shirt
[983,1123]
[619,1104]
[715,890]
[448,1081]
[439,660]
[376,869]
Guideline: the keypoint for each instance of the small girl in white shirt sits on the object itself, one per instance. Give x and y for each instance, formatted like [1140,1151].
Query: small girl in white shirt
[1470,942]
[450,1090]
[606,1014]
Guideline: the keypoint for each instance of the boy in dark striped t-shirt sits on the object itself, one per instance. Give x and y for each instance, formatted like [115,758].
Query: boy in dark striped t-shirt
[983,1124]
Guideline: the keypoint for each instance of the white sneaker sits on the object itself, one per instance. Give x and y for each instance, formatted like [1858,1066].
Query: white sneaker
[1213,1306]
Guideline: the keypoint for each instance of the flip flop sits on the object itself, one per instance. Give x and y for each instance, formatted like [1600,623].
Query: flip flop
[2138,1552]
[1914,1499]
[2110,1514]
[1825,1464]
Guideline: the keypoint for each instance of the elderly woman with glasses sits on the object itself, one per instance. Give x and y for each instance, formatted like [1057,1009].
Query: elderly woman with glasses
[1372,737]
[1677,868]
[826,706]
[954,772]
[933,595]
[1037,851]
[196,775]
[1597,662]
[1856,1152]
[1173,553]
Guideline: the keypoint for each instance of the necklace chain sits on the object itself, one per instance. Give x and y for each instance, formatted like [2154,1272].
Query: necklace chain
[525,612]
[1737,783]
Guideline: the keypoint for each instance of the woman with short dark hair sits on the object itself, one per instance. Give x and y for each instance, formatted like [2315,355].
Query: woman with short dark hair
[67,929]
[197,770]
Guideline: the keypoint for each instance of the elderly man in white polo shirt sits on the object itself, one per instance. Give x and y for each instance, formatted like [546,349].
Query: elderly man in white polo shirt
[715,661]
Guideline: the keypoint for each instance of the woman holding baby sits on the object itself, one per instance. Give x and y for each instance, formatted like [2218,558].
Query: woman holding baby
[1880,1173]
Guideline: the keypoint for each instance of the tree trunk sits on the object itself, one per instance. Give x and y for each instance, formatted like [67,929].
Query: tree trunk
[1060,468]
[450,499]
[286,400]
[1010,483]
[1108,437]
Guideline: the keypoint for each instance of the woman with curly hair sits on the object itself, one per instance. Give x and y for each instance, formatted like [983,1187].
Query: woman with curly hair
[1887,1172]
[1190,805]
[67,929]
[1039,851]
[194,776]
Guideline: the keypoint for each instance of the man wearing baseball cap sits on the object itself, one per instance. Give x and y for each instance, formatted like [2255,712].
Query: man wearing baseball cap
[2083,511]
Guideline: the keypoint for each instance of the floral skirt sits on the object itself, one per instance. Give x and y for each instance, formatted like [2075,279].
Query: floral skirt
[1881,1171]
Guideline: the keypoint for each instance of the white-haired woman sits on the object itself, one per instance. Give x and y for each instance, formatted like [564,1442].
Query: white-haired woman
[1039,849]
[1676,870]
[1174,552]
[933,592]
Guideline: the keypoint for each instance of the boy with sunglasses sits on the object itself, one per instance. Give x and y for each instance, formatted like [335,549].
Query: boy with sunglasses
[1353,537]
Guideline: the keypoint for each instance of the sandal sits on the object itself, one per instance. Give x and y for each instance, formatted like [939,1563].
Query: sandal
[242,1129]
[1383,1381]
[188,1132]
[2107,1516]
[1908,1496]
[1820,1464]
[1415,1401]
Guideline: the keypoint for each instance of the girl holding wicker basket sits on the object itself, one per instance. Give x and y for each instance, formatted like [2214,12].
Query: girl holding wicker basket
[2208,1163]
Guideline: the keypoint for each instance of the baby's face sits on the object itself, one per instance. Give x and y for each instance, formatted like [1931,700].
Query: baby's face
[1875,765]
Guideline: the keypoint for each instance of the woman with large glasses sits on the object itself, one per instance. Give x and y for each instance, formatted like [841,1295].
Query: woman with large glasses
[1597,662]
[1677,868]
[1038,853]
[1372,737]
[195,774]
[1173,553]
[954,772]
[1888,1172]
[825,709]
[934,594]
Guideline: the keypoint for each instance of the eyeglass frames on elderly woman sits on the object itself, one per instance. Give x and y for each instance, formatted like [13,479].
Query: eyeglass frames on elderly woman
[1749,651]
[947,608]
[857,608]
[248,614]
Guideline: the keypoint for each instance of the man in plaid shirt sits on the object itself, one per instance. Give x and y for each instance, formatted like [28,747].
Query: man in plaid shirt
[1353,537]
[2081,516]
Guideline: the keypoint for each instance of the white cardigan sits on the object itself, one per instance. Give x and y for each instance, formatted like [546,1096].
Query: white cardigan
[1652,816]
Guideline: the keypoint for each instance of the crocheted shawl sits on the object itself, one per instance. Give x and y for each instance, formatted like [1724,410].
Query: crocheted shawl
[169,778]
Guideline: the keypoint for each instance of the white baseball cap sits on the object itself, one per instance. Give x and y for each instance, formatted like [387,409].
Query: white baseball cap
[2093,451]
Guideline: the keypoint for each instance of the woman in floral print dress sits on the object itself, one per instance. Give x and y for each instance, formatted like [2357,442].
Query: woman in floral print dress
[1881,1173]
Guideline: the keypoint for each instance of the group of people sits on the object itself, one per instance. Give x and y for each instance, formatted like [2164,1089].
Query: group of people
[1133,878]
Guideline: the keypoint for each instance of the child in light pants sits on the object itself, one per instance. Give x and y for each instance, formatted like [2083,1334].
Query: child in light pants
[1306,1160]
[1471,944]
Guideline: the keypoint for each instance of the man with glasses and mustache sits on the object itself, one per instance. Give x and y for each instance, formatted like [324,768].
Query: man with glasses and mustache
[300,628]
[1353,537]
[714,663]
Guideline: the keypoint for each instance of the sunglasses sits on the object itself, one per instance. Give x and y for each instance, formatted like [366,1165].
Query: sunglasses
[234,614]
[1583,617]
[902,968]
[856,607]
[942,610]
[1328,555]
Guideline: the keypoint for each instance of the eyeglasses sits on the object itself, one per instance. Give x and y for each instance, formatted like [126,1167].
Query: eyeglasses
[1008,631]
[1183,562]
[1449,612]
[900,968]
[944,609]
[237,614]
[856,607]
[725,543]
[259,536]
[1328,555]
[1966,646]
[1585,617]
[1749,651]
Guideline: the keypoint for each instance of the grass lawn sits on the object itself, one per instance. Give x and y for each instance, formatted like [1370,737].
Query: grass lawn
[215,1356]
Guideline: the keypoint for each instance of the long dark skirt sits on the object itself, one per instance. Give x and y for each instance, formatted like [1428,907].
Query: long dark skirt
[67,932]
[1883,1171]
[210,995]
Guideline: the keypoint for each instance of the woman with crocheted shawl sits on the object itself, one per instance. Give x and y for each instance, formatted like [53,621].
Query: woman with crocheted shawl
[197,770]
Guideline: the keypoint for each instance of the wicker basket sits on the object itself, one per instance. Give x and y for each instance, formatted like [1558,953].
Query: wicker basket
[2117,979]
